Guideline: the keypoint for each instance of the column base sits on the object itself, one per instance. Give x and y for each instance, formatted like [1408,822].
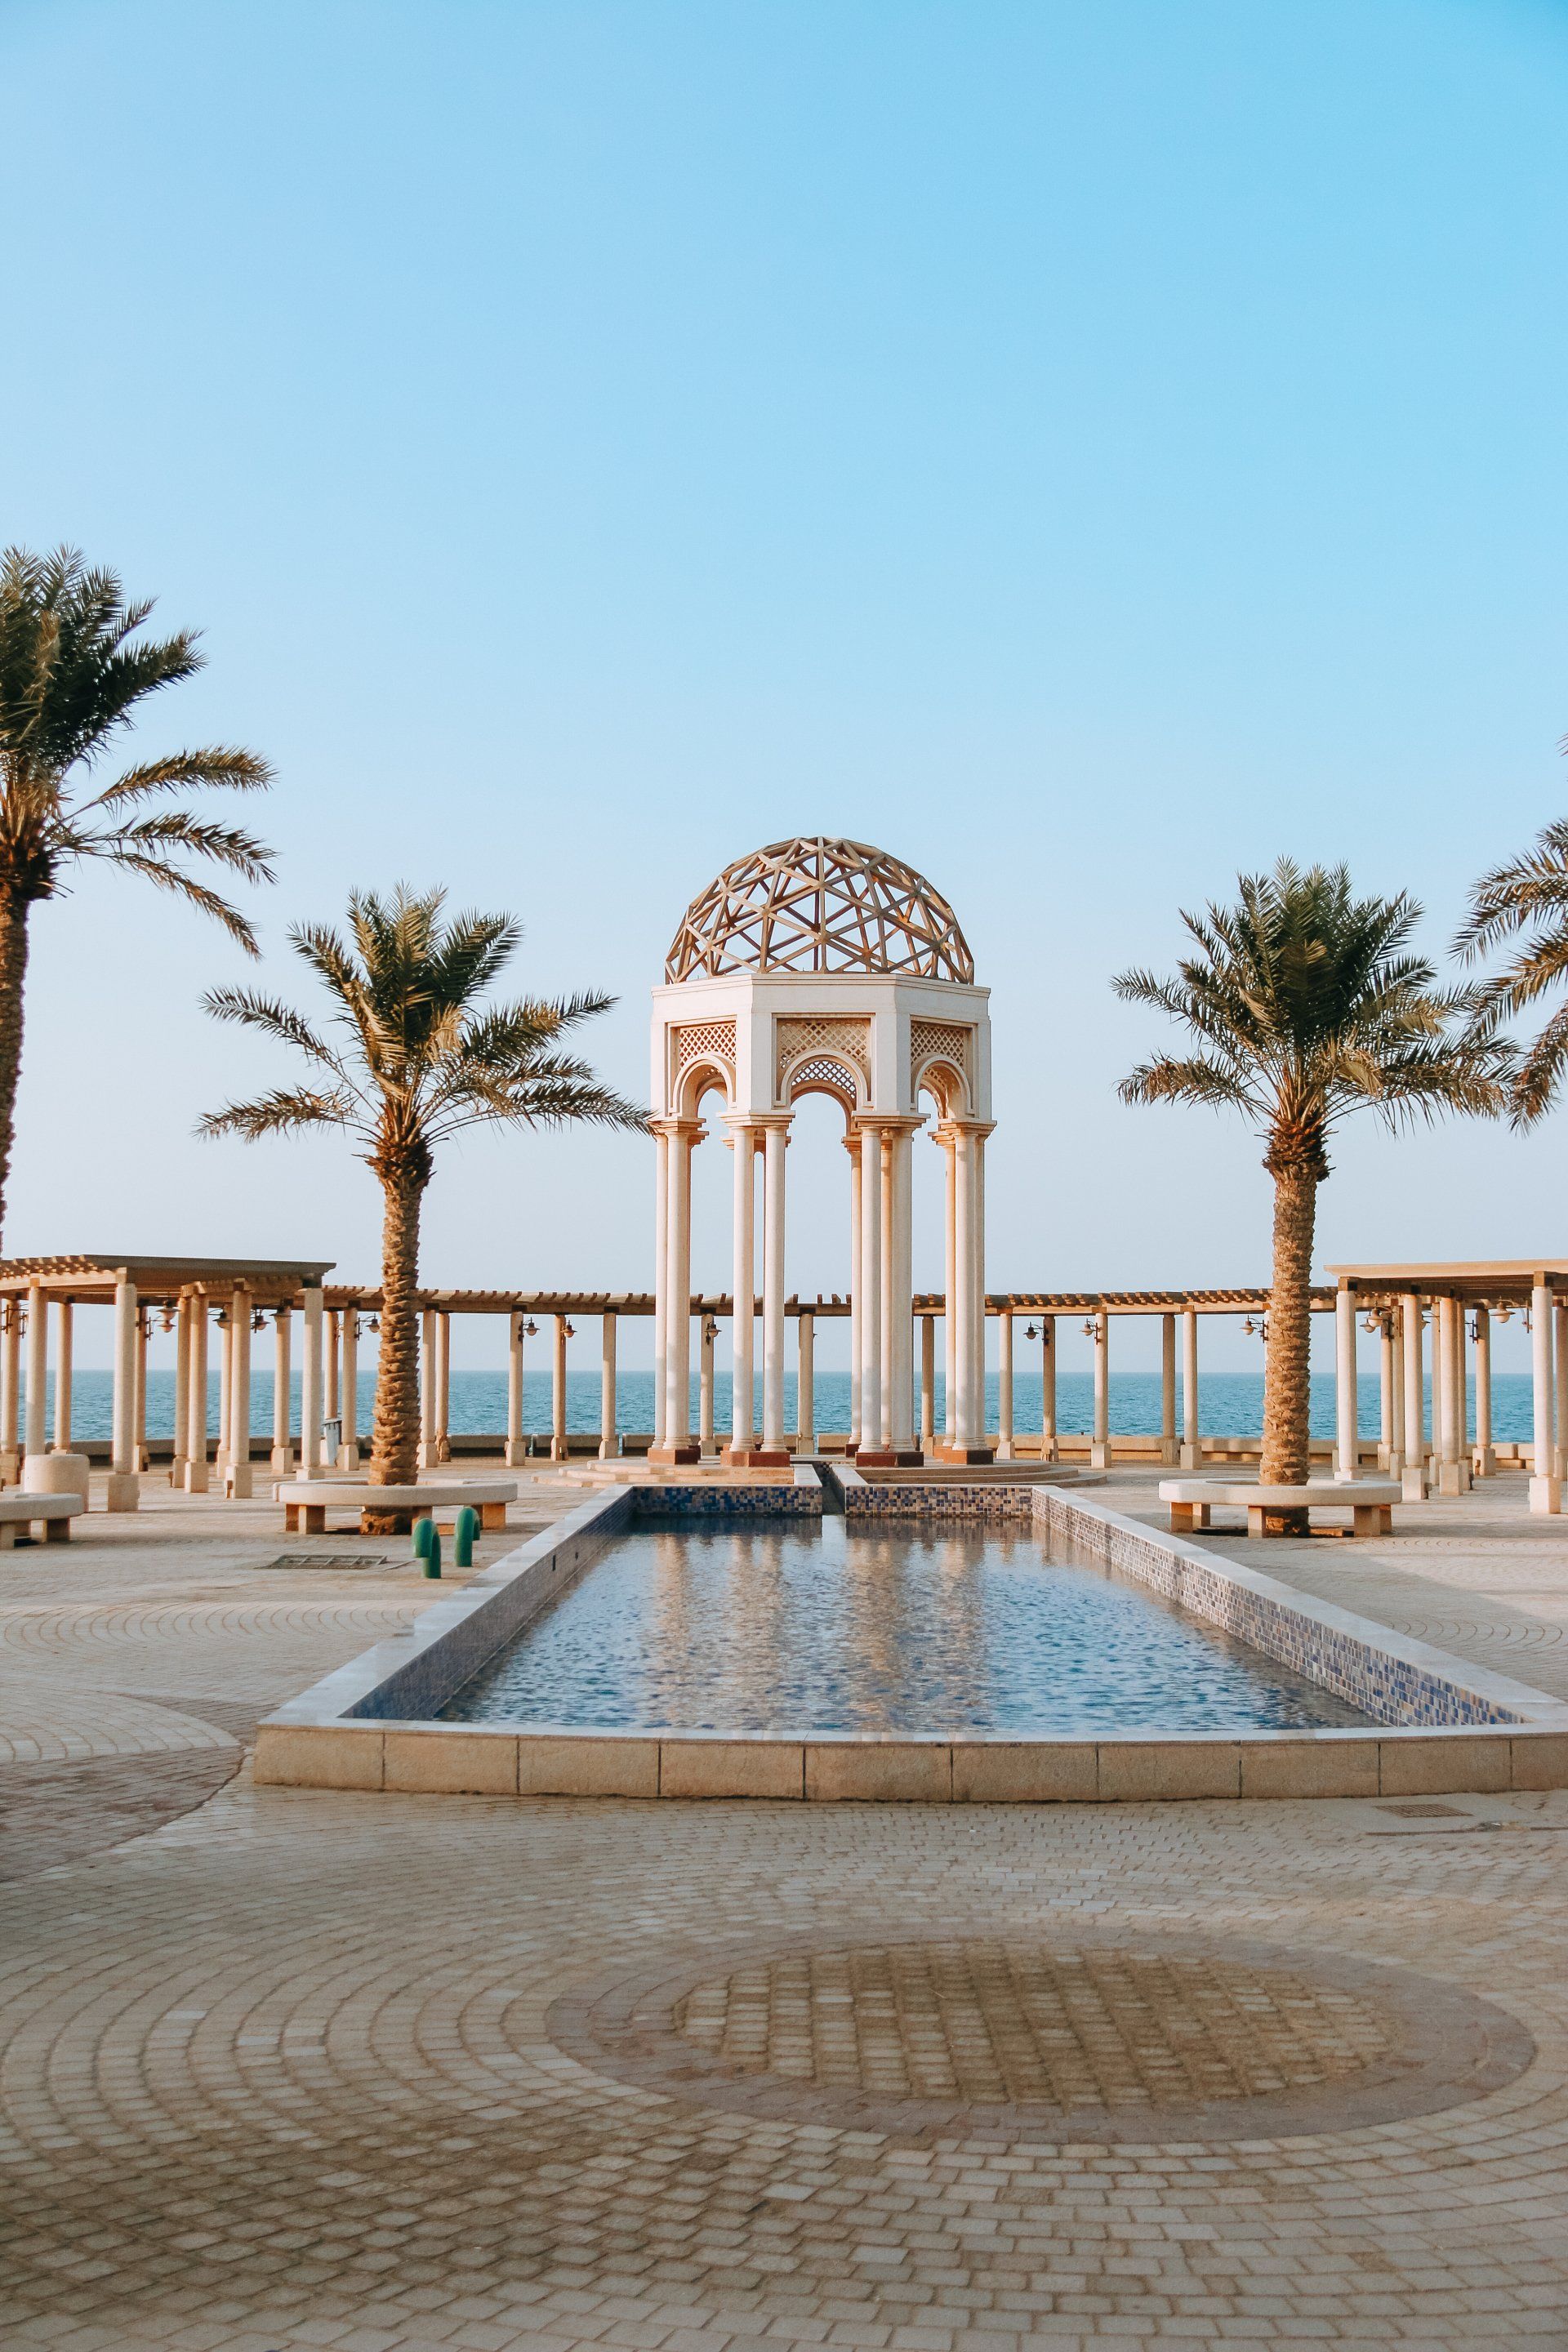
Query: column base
[1454,1478]
[1100,1454]
[123,1491]
[675,1453]
[177,1472]
[1412,1483]
[282,1461]
[428,1457]
[195,1477]
[10,1468]
[237,1484]
[516,1452]
[1546,1494]
[760,1457]
[1483,1462]
[348,1457]
[1170,1454]
[1192,1457]
[1003,1449]
[968,1457]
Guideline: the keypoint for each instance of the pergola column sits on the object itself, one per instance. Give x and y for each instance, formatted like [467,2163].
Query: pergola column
[805,1382]
[1346,1420]
[11,1392]
[282,1462]
[143,1333]
[64,1333]
[225,1394]
[181,1389]
[197,1424]
[743,1285]
[1099,1442]
[334,1398]
[1484,1458]
[609,1418]
[348,1451]
[1545,1487]
[1048,1449]
[950,1306]
[873,1437]
[427,1392]
[1387,1428]
[776,1141]
[1454,1477]
[559,1447]
[928,1382]
[238,1482]
[1005,1385]
[1413,1476]
[673,1376]
[1168,1447]
[898,1296]
[856,1303]
[516,1445]
[310,1383]
[660,1292]
[706,1334]
[1192,1436]
[124,1487]
[37,1425]
[977,1285]
[443,1430]
[1560,1331]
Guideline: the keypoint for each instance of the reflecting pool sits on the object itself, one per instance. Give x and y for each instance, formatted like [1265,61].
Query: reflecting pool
[799,1626]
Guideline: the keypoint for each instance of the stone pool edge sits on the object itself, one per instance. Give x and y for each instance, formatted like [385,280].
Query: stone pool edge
[370,1725]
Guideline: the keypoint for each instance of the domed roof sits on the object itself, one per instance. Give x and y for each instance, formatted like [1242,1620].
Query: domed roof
[820,906]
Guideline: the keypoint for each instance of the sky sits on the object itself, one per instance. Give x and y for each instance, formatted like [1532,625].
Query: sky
[1087,447]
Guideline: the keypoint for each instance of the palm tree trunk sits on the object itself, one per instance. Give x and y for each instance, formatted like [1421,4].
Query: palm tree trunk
[13,974]
[1286,1378]
[395,1439]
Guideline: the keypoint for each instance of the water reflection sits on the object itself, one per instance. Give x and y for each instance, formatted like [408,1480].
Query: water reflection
[792,1628]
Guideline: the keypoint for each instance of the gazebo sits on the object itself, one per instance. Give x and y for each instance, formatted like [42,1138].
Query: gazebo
[824,966]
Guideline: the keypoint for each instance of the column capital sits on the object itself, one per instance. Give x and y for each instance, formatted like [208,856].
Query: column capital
[885,1122]
[676,1129]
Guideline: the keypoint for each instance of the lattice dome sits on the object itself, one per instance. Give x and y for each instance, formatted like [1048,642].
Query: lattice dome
[820,906]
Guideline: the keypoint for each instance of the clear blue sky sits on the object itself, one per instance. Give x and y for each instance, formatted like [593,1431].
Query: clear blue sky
[1086,447]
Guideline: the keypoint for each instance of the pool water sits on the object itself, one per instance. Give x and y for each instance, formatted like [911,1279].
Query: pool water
[803,1627]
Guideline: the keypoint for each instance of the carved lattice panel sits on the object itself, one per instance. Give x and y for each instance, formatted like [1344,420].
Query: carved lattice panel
[845,1040]
[822,1070]
[820,906]
[704,1041]
[939,1040]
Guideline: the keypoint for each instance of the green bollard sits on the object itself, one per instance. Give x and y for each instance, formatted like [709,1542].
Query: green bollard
[433,1556]
[424,1531]
[465,1527]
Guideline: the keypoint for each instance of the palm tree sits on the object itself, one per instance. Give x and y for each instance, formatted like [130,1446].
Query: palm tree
[1528,893]
[1306,1006]
[72,672]
[417,1059]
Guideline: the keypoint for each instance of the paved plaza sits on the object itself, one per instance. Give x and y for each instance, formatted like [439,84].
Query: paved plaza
[295,2068]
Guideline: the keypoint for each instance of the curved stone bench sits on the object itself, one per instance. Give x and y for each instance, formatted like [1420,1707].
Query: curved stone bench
[53,1513]
[307,1501]
[1370,1501]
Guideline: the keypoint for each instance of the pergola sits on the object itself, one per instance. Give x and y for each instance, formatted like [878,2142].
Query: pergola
[190,1293]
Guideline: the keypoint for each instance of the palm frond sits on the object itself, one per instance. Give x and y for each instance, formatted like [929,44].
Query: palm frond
[285,1111]
[180,830]
[186,885]
[220,768]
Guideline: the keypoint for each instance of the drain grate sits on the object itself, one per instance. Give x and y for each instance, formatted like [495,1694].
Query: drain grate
[329,1560]
[1425,1812]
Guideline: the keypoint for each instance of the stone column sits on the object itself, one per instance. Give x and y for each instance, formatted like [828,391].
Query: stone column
[1099,1443]
[1446,1432]
[900,1280]
[660,1289]
[1005,1385]
[1396,1388]
[708,1332]
[124,1487]
[949,1142]
[427,1391]
[63,1335]
[310,1384]
[1485,1459]
[282,1459]
[852,1146]
[805,1382]
[1169,1450]
[1385,1421]
[1413,1476]
[35,1440]
[743,1285]
[516,1444]
[1559,1332]
[1346,1424]
[443,1432]
[225,1394]
[237,1483]
[676,1444]
[873,1438]
[11,1392]
[1545,1487]
[334,1394]
[182,1390]
[776,1139]
[558,1449]
[928,1382]
[960,1416]
[1048,1448]
[196,1426]
[1191,1434]
[1456,1389]
[977,1281]
[348,1452]
[609,1417]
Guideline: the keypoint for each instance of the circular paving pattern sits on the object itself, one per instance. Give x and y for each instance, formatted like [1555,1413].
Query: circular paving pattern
[1081,2041]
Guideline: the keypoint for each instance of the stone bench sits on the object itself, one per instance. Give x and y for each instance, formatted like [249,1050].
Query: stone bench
[307,1501]
[1369,1501]
[53,1513]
